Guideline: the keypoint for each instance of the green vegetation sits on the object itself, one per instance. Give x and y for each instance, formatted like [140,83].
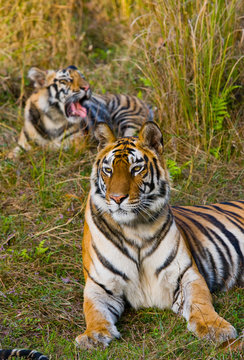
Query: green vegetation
[185,58]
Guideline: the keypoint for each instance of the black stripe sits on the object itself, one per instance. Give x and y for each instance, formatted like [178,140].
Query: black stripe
[129,126]
[197,255]
[169,259]
[163,186]
[108,265]
[225,265]
[56,105]
[70,134]
[230,213]
[159,237]
[21,147]
[212,284]
[150,184]
[113,311]
[5,353]
[231,237]
[109,292]
[157,169]
[146,159]
[116,112]
[232,204]
[111,235]
[180,277]
[36,120]
[27,135]
[123,116]
[241,228]
[222,243]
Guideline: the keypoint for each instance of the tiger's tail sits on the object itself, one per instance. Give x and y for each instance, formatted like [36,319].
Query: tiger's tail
[21,353]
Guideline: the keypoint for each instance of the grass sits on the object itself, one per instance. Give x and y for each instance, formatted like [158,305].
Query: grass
[121,47]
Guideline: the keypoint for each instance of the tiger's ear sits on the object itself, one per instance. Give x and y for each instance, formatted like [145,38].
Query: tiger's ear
[151,136]
[37,76]
[104,135]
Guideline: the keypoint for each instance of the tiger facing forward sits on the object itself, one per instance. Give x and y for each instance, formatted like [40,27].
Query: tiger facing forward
[136,248]
[63,108]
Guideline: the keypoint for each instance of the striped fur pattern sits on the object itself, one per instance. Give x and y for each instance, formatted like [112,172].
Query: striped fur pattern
[221,230]
[63,109]
[45,121]
[125,114]
[137,249]
[21,353]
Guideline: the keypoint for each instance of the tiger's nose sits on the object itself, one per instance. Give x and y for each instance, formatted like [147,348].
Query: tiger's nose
[118,198]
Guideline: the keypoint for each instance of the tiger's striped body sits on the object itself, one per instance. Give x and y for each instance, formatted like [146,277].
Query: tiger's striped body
[133,249]
[123,113]
[215,229]
[21,353]
[63,109]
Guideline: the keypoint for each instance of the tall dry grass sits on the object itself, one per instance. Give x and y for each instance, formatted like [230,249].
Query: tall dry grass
[40,32]
[189,54]
[193,58]
[51,34]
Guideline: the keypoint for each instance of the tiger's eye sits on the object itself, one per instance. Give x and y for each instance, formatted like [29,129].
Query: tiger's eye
[107,170]
[137,168]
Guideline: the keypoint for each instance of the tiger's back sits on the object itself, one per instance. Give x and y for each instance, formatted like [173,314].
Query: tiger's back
[215,236]
[123,113]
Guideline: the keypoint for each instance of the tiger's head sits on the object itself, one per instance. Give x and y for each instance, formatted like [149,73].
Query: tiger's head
[129,179]
[67,88]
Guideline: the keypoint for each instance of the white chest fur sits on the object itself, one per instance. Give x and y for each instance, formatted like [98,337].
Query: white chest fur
[138,276]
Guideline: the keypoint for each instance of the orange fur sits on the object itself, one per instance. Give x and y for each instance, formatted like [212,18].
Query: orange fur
[97,326]
[86,243]
[203,318]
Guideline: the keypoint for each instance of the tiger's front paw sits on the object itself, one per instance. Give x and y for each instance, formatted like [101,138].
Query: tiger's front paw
[12,155]
[92,339]
[216,329]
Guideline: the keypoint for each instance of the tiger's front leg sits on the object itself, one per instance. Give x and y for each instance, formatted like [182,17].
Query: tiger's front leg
[194,300]
[102,309]
[22,145]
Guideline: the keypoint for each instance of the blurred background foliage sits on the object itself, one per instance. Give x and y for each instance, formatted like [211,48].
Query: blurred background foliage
[185,56]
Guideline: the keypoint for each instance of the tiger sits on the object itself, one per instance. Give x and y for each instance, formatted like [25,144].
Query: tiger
[140,250]
[21,353]
[63,108]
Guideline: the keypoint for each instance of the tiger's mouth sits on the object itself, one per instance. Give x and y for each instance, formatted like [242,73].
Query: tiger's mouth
[74,110]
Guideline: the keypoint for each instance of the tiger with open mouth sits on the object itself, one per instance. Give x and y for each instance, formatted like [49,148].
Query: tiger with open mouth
[63,108]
